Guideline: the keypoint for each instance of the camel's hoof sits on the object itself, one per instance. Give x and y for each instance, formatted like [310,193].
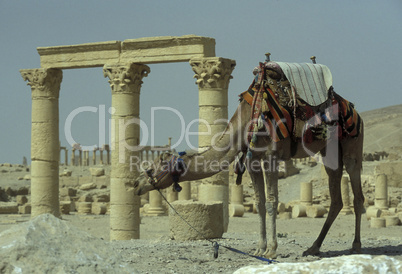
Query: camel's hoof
[258,252]
[356,251]
[356,248]
[270,254]
[311,252]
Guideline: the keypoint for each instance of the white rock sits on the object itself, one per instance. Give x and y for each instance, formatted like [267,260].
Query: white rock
[343,264]
[47,244]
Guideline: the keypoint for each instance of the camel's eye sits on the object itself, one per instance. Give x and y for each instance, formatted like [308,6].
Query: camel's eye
[150,172]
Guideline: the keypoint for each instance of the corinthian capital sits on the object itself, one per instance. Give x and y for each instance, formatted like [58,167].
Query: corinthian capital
[43,82]
[126,78]
[212,72]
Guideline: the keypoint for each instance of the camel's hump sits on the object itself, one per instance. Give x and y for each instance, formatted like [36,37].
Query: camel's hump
[311,81]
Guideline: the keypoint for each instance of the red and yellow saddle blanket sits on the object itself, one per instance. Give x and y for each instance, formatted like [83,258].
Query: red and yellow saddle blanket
[280,120]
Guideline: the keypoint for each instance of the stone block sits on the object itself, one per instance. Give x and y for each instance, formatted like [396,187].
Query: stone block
[373,212]
[248,206]
[8,208]
[281,207]
[88,186]
[99,208]
[66,173]
[285,215]
[97,171]
[205,217]
[101,198]
[101,181]
[391,221]
[85,198]
[84,207]
[377,222]
[65,207]
[67,191]
[22,191]
[236,210]
[25,209]
[21,199]
[299,211]
[316,211]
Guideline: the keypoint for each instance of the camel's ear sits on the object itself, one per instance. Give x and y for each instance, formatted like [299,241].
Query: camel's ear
[164,156]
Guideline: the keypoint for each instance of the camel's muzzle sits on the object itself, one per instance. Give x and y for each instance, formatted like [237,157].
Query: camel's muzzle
[175,167]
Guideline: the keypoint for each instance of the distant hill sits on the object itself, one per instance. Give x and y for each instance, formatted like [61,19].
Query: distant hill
[383,129]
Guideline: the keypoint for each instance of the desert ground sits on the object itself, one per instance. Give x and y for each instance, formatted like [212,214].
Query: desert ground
[80,243]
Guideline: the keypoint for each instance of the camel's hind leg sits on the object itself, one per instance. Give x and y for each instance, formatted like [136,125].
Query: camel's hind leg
[358,201]
[334,179]
[353,154]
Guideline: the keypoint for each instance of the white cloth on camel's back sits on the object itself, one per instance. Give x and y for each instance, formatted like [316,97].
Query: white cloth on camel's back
[311,81]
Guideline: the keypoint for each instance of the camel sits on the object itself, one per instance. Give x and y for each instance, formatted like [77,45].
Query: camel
[265,154]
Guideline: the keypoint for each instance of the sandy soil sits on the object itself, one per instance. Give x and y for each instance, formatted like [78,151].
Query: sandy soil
[156,252]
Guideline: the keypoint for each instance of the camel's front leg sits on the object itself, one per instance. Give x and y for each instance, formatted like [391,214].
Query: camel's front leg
[258,181]
[271,176]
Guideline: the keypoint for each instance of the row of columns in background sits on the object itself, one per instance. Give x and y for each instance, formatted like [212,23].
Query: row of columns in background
[213,75]
[82,157]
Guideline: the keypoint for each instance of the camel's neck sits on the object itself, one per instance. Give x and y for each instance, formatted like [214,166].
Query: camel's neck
[219,156]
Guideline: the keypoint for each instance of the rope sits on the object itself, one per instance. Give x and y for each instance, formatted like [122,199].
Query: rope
[215,244]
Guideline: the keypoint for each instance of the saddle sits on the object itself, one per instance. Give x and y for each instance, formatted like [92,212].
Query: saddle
[306,106]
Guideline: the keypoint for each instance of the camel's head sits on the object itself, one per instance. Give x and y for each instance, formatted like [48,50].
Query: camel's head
[162,173]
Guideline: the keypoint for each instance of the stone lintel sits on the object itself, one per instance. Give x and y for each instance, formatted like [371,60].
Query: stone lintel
[80,56]
[165,49]
[149,50]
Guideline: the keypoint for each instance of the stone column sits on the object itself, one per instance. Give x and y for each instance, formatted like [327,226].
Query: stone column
[185,193]
[86,157]
[45,144]
[66,156]
[107,149]
[172,195]
[236,207]
[125,82]
[80,157]
[101,156]
[345,196]
[306,193]
[94,156]
[72,156]
[381,192]
[213,75]
[155,204]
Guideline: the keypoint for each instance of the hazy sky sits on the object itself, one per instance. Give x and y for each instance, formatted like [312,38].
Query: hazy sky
[360,41]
